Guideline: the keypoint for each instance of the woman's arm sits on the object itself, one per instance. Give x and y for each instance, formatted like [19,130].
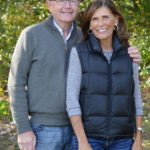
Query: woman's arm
[78,128]
[137,91]
[72,96]
[73,84]
[137,145]
[139,110]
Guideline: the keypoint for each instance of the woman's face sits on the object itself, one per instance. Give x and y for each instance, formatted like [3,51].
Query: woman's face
[102,23]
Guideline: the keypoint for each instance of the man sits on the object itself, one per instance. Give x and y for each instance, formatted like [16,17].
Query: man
[37,78]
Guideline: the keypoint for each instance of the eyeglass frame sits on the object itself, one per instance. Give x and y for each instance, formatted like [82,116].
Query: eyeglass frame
[72,4]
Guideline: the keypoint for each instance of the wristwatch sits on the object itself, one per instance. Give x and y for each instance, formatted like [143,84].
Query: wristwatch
[140,129]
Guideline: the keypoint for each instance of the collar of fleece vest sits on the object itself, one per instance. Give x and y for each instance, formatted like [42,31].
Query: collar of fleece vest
[96,47]
[49,21]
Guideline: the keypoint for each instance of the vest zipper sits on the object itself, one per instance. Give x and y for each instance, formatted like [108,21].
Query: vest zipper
[109,100]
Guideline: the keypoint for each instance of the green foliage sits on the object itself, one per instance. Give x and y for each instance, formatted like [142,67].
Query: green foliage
[4,110]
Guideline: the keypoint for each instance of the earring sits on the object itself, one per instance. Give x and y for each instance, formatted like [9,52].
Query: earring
[89,31]
[116,28]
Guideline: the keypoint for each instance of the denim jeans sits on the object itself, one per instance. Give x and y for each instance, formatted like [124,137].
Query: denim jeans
[101,144]
[52,138]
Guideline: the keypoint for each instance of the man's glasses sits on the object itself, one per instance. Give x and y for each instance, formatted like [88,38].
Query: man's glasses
[63,2]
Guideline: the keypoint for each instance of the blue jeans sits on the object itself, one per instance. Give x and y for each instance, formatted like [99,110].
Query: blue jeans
[52,138]
[101,144]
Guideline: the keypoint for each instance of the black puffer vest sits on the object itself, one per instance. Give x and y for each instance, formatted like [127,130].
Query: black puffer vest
[107,90]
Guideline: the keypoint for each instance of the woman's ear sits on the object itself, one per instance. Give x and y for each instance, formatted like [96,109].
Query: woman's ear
[116,20]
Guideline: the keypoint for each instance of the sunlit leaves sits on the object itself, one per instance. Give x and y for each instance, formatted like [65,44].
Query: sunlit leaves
[4,109]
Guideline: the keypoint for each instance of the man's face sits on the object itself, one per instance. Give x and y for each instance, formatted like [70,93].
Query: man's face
[63,11]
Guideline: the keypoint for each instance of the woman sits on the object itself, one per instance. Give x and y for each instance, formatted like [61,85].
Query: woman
[105,80]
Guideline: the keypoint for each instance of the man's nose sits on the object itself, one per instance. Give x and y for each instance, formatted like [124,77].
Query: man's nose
[67,3]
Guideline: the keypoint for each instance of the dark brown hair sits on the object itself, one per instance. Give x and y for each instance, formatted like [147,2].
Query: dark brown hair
[89,12]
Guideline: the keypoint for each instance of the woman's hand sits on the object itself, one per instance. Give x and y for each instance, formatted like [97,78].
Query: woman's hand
[137,145]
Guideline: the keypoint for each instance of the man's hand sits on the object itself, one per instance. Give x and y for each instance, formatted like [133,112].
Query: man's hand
[85,146]
[27,141]
[135,54]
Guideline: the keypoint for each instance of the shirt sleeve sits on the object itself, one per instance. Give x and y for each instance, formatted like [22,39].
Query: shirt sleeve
[73,84]
[17,82]
[137,92]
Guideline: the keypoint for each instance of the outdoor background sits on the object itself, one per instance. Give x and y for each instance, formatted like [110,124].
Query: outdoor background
[15,15]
